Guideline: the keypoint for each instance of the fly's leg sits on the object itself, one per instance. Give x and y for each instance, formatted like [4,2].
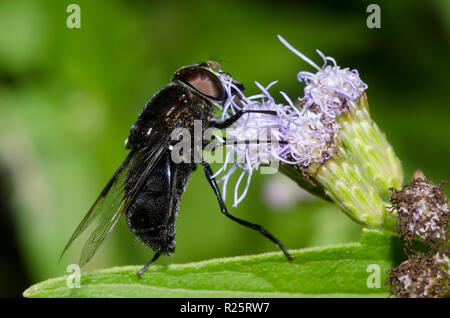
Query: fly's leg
[143,269]
[223,208]
[228,142]
[230,121]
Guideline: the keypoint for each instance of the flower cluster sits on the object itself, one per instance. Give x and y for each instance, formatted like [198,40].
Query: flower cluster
[292,136]
[423,211]
[299,135]
[325,141]
[421,276]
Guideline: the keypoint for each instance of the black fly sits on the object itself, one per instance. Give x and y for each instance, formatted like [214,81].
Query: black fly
[148,185]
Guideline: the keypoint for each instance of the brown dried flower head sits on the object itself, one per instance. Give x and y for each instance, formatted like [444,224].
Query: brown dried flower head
[421,276]
[422,211]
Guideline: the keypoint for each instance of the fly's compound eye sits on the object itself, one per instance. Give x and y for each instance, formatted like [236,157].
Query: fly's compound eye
[204,85]
[202,80]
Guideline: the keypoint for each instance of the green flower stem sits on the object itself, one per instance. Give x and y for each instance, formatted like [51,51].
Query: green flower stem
[389,222]
[305,182]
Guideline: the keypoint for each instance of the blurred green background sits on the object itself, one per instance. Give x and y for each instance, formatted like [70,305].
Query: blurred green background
[69,96]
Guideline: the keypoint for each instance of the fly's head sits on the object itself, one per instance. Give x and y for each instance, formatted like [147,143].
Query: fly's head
[209,81]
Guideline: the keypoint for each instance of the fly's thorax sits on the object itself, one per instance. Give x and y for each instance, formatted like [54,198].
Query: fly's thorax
[176,106]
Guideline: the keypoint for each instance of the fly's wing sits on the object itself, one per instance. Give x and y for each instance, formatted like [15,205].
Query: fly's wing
[117,196]
[106,201]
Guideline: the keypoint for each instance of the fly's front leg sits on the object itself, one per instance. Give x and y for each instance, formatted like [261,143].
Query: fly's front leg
[229,142]
[212,144]
[230,121]
[223,208]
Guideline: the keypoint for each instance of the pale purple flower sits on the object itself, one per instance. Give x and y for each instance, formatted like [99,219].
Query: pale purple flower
[331,88]
[293,136]
[300,135]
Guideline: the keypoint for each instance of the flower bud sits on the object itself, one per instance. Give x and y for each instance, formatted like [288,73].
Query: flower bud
[358,175]
[365,142]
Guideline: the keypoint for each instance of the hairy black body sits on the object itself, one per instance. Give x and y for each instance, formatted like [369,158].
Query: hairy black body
[152,214]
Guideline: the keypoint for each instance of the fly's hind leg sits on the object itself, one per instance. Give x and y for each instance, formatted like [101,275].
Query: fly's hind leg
[143,269]
[223,208]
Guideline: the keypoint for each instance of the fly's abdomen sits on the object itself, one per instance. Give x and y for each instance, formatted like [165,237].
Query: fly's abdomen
[152,214]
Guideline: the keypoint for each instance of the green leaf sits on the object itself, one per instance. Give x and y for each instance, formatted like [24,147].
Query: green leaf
[337,271]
